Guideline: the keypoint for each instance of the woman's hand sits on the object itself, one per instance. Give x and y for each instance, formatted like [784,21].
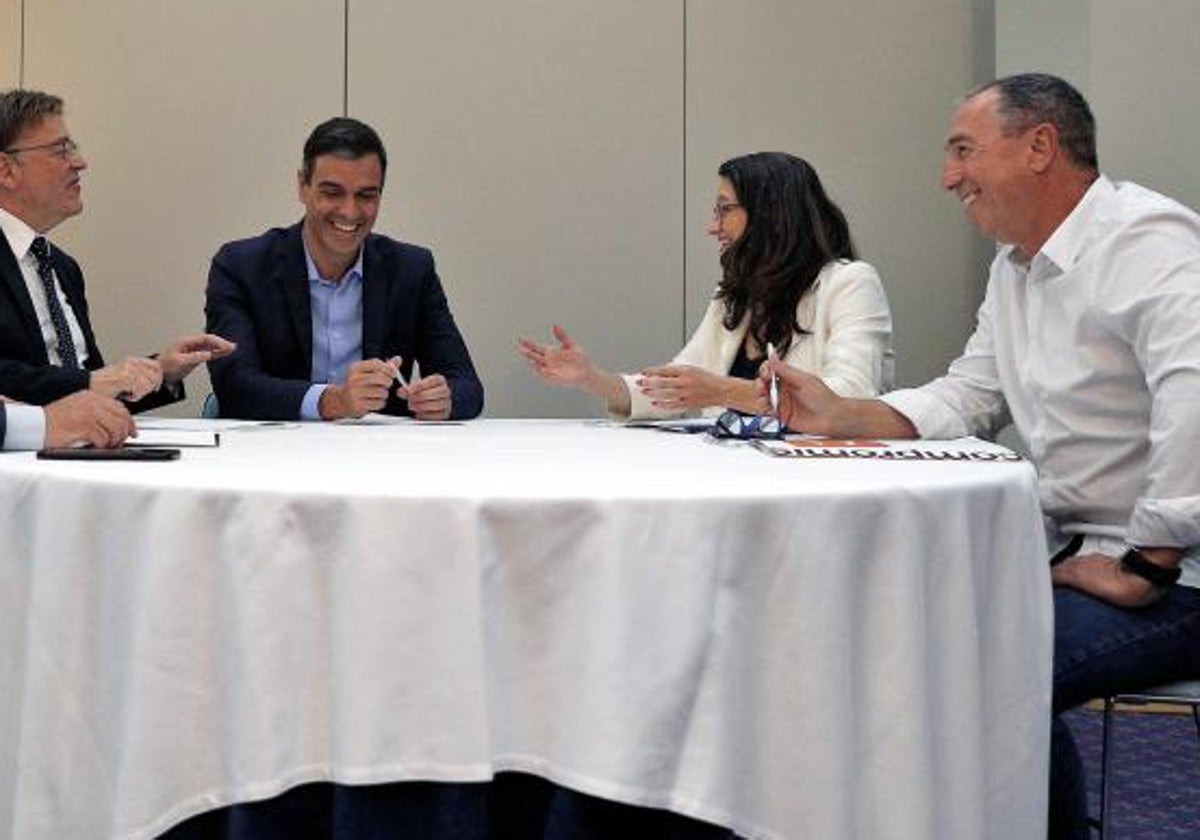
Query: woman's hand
[566,364]
[684,387]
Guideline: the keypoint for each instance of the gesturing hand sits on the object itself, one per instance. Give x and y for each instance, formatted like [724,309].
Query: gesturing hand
[185,354]
[564,364]
[130,379]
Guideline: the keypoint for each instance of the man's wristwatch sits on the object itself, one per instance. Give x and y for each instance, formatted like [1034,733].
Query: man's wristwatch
[1134,562]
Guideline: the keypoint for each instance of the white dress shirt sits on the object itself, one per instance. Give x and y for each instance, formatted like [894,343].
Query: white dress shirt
[848,343]
[20,236]
[1093,351]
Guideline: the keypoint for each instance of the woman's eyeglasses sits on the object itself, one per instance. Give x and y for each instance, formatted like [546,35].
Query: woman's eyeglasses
[722,209]
[735,425]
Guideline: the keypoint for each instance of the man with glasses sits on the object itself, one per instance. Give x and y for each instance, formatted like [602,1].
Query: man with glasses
[47,348]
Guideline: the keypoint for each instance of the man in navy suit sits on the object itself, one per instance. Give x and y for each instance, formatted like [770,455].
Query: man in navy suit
[47,348]
[326,314]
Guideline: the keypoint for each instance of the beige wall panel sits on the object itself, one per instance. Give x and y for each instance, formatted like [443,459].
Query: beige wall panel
[10,43]
[536,146]
[1145,86]
[191,116]
[863,91]
[1036,36]
[1138,66]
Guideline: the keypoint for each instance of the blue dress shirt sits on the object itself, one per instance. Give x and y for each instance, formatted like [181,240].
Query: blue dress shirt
[336,329]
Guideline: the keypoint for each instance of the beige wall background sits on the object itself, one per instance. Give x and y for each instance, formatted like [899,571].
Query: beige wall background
[1138,65]
[560,158]
[10,42]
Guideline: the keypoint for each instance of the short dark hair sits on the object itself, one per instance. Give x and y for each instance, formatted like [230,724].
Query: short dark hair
[23,109]
[344,137]
[793,230]
[1027,99]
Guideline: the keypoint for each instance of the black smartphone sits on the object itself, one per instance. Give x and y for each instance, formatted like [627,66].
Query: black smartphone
[87,453]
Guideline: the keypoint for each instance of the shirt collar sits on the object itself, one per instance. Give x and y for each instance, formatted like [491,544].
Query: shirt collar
[20,235]
[1068,240]
[353,273]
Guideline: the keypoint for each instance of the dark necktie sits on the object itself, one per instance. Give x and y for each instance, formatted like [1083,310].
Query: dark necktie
[66,347]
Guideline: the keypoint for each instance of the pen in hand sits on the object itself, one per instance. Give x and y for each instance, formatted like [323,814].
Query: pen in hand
[773,391]
[395,363]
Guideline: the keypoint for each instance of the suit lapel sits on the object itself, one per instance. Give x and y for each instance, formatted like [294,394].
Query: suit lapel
[292,277]
[15,282]
[375,301]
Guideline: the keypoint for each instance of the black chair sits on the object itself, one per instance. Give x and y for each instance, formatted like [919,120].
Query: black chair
[211,410]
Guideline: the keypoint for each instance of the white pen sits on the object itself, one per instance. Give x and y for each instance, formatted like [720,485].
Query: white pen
[774,390]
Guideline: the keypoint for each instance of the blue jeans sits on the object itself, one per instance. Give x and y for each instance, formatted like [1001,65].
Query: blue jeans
[1101,650]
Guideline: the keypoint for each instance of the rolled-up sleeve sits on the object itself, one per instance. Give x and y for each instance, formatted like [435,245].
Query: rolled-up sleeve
[968,400]
[1165,335]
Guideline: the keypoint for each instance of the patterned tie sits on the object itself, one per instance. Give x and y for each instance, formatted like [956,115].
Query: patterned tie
[66,347]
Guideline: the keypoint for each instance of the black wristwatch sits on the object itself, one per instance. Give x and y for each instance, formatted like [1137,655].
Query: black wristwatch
[1134,562]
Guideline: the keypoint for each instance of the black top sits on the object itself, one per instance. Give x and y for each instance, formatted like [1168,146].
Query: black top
[743,366]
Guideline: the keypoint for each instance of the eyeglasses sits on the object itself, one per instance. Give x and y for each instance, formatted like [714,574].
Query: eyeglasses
[720,211]
[63,147]
[734,424]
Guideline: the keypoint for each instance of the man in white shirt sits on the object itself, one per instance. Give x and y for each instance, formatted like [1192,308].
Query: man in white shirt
[82,417]
[47,348]
[1088,340]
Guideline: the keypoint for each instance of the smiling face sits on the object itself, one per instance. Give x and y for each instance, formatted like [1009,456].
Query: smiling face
[990,171]
[42,184]
[341,201]
[728,220]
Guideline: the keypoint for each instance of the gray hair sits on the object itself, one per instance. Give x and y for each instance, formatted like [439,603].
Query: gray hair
[1027,99]
[22,109]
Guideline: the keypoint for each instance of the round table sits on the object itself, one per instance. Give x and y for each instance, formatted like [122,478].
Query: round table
[818,648]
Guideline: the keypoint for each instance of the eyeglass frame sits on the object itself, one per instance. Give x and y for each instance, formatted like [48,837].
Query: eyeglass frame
[63,147]
[720,211]
[750,426]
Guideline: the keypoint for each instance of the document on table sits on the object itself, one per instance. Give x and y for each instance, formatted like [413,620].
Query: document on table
[968,450]
[174,438]
[372,418]
[679,425]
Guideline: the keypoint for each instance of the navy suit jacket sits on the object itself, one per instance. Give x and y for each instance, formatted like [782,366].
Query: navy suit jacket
[258,297]
[25,370]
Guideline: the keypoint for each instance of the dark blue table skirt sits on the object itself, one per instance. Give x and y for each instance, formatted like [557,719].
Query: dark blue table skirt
[514,806]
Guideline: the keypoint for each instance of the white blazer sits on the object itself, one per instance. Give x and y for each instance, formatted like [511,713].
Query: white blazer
[848,343]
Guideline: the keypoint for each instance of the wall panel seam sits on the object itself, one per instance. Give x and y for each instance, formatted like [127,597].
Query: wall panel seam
[683,301]
[345,58]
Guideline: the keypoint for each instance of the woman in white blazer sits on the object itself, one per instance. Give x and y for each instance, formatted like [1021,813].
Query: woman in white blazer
[791,282]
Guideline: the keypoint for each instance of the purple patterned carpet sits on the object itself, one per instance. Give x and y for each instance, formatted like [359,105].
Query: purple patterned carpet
[1156,775]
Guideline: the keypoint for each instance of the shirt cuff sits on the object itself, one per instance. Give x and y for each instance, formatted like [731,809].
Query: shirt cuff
[1166,522]
[309,406]
[25,426]
[931,417]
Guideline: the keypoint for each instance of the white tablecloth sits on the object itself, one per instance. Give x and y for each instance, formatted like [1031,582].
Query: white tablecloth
[813,649]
